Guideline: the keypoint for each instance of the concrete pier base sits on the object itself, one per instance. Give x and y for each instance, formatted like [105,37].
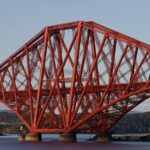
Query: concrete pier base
[33,137]
[21,137]
[103,137]
[67,137]
[30,137]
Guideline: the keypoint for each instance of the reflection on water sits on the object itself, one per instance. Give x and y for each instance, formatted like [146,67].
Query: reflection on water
[55,137]
[50,142]
[50,137]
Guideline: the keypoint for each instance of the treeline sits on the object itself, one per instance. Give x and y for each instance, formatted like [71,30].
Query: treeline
[9,123]
[133,123]
[8,116]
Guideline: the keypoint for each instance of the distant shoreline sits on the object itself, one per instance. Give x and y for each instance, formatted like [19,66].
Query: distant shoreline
[131,137]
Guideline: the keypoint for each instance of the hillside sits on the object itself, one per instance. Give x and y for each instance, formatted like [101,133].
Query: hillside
[9,122]
[134,122]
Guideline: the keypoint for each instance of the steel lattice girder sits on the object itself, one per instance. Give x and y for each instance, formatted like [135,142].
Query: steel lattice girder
[75,77]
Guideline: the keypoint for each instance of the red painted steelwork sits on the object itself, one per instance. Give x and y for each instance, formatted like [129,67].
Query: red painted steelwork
[75,77]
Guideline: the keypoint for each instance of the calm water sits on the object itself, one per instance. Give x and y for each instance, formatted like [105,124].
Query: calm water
[52,143]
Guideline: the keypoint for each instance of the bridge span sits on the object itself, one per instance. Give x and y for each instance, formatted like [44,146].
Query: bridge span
[75,77]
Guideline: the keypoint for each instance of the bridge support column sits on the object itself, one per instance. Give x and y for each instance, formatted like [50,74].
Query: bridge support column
[30,137]
[67,137]
[21,137]
[103,137]
[33,137]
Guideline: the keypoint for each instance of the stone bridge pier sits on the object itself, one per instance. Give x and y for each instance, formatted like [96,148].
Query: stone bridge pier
[30,137]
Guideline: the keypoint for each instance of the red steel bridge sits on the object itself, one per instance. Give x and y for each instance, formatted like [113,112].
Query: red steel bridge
[75,77]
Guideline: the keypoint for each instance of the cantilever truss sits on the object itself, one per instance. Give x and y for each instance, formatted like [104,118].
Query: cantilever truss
[75,77]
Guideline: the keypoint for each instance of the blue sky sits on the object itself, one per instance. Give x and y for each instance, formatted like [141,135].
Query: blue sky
[22,19]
